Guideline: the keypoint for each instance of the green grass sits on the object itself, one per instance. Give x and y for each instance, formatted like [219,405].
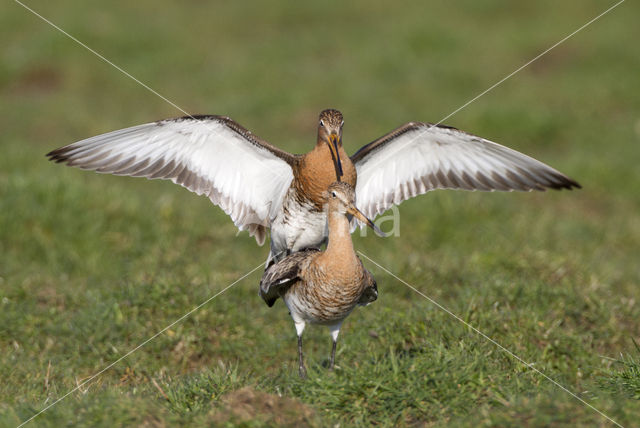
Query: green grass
[92,265]
[625,378]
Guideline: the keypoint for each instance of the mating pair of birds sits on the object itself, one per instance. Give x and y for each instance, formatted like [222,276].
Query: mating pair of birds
[260,186]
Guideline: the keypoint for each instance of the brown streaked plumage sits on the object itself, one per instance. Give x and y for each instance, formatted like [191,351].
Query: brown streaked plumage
[260,186]
[323,287]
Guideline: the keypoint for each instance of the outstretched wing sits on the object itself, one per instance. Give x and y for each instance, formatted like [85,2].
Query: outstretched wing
[209,155]
[419,157]
[281,275]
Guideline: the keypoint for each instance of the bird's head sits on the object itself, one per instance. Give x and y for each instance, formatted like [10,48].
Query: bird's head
[330,132]
[341,198]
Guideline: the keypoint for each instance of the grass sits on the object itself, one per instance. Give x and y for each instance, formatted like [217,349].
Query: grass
[93,265]
[626,378]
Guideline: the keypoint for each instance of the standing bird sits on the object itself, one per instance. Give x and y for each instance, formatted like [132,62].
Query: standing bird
[260,186]
[323,287]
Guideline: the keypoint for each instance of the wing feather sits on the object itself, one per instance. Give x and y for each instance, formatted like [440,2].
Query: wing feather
[419,157]
[209,155]
[278,277]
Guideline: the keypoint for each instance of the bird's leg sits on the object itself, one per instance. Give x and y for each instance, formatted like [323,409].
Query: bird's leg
[333,355]
[303,371]
[299,329]
[335,330]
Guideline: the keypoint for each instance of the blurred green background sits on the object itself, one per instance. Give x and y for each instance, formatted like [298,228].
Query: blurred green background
[92,265]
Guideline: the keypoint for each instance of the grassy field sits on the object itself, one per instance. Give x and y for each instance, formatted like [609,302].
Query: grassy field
[92,265]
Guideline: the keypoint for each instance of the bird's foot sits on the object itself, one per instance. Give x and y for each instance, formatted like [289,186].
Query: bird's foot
[303,372]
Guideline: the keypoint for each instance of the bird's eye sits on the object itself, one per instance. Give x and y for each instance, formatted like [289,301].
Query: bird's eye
[322,123]
[333,194]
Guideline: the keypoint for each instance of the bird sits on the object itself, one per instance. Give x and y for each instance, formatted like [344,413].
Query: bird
[324,287]
[263,187]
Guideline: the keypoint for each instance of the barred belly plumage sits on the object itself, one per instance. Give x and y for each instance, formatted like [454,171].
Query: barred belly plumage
[317,306]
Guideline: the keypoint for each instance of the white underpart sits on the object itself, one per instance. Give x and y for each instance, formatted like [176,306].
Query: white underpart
[335,330]
[300,327]
[426,158]
[244,178]
[297,226]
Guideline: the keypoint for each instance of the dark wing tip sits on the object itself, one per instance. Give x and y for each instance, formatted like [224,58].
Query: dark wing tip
[58,155]
[269,300]
[564,182]
[572,184]
[267,294]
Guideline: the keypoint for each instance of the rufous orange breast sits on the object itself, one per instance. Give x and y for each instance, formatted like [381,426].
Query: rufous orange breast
[316,171]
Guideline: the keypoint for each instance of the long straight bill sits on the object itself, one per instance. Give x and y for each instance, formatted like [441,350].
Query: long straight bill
[363,218]
[335,155]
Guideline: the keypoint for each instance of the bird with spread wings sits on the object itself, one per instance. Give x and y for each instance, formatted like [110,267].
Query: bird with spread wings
[260,186]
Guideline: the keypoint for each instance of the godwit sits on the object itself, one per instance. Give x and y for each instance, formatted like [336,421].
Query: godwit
[261,186]
[323,287]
